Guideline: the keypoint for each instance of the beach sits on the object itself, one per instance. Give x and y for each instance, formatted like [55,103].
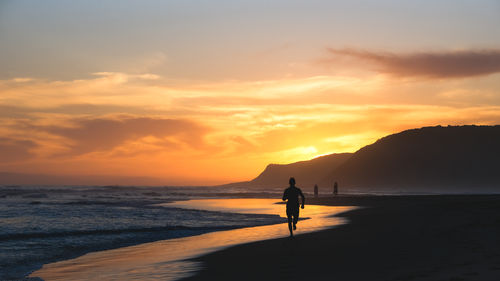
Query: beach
[441,237]
[445,237]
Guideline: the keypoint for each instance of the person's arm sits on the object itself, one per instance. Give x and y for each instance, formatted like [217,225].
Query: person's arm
[285,195]
[303,198]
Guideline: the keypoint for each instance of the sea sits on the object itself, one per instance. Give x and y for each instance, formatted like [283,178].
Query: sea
[45,224]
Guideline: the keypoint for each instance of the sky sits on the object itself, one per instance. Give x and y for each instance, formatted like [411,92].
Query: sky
[210,92]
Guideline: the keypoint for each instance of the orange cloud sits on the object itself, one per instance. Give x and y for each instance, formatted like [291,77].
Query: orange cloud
[144,125]
[13,150]
[85,135]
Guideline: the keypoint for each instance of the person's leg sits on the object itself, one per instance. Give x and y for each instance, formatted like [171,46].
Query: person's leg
[295,219]
[289,215]
[290,225]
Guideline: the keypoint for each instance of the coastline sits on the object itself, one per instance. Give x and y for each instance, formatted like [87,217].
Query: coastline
[170,259]
[418,237]
[45,224]
[436,237]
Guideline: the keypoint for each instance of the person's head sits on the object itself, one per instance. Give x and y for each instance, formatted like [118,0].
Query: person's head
[291,181]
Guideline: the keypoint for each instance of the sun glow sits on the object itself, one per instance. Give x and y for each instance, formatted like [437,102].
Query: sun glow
[138,125]
[323,154]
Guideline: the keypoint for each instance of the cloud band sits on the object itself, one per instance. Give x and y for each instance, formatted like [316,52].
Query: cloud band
[454,64]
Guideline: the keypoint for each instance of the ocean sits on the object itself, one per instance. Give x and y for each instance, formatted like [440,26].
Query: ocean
[45,224]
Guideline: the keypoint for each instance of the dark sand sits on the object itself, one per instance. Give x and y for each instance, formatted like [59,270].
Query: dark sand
[454,237]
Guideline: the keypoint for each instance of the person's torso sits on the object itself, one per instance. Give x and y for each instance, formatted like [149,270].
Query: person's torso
[293,196]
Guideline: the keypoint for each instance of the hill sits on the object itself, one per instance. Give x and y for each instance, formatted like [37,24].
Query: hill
[428,159]
[461,158]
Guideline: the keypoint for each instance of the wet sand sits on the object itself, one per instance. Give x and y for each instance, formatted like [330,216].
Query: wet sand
[167,259]
[452,237]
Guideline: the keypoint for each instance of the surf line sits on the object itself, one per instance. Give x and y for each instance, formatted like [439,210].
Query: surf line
[172,259]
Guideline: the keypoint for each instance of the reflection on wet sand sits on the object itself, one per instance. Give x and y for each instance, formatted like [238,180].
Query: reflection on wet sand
[168,259]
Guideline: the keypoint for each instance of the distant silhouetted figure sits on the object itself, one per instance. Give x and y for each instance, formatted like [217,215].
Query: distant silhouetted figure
[335,188]
[315,190]
[292,194]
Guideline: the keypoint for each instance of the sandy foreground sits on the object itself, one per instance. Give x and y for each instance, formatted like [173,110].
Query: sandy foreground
[454,237]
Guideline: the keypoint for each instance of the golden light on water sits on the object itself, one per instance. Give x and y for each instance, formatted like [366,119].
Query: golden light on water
[169,259]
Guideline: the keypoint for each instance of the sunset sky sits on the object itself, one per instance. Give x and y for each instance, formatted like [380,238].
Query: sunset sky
[209,92]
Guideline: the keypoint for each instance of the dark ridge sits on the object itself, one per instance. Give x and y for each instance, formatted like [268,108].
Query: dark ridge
[430,159]
[462,158]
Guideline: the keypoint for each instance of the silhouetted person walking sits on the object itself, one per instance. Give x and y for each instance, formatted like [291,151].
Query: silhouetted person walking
[315,191]
[292,194]
[335,188]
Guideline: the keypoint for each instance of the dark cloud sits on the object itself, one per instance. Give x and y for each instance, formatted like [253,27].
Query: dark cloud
[454,64]
[101,134]
[12,150]
[8,111]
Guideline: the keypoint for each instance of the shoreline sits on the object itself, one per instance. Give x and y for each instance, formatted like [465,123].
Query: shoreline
[131,222]
[400,237]
[425,237]
[171,259]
